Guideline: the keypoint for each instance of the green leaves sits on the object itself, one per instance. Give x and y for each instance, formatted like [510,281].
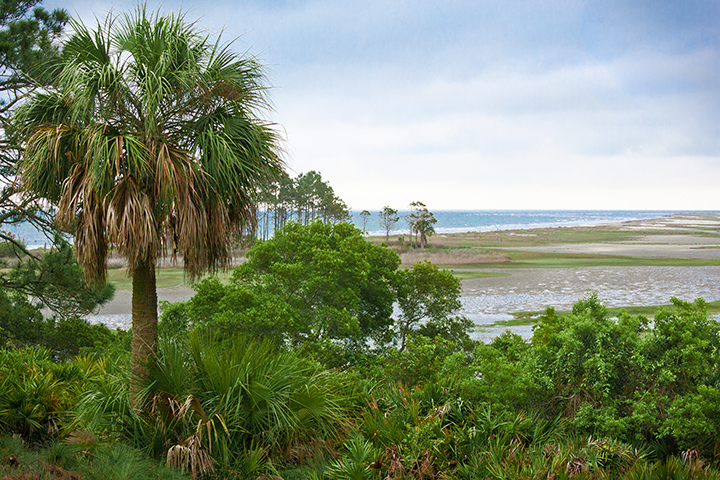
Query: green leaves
[428,299]
[27,39]
[631,379]
[336,285]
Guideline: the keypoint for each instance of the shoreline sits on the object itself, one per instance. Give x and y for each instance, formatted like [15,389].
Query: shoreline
[620,217]
[676,236]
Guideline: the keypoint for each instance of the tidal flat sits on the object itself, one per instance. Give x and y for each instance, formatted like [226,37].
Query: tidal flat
[630,264]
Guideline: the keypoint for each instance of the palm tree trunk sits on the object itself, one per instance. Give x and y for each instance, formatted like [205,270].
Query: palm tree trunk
[144,321]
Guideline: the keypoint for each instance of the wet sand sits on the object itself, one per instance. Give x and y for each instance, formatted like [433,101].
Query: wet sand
[533,289]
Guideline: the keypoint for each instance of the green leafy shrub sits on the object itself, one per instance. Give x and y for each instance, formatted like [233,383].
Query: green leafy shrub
[490,375]
[33,397]
[210,401]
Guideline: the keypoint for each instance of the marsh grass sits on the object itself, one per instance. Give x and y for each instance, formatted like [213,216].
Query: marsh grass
[166,277]
[467,274]
[516,322]
[519,259]
[545,236]
[454,257]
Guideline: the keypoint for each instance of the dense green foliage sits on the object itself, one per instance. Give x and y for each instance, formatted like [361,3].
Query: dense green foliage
[428,300]
[589,397]
[28,47]
[53,280]
[322,288]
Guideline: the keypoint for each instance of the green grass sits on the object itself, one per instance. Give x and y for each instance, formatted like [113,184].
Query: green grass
[712,307]
[547,236]
[519,259]
[515,322]
[166,277]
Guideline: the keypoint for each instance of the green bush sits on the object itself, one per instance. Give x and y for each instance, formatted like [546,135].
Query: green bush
[210,401]
[34,398]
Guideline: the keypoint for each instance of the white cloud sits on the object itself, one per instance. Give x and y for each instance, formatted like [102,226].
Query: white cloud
[491,104]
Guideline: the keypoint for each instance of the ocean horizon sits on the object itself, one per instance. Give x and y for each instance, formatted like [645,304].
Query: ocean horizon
[460,221]
[457,221]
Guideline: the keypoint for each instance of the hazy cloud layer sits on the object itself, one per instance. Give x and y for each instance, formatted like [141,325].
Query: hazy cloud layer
[492,104]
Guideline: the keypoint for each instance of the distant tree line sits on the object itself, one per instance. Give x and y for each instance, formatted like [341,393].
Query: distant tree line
[304,199]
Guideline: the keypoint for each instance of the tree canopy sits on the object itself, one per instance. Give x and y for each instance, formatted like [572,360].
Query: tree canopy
[323,286]
[421,222]
[28,50]
[305,198]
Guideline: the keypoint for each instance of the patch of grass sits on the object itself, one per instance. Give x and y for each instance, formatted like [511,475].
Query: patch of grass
[525,318]
[515,322]
[649,311]
[520,259]
[166,277]
[545,236]
[449,256]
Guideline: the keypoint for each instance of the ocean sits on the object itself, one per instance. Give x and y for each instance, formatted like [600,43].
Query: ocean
[457,221]
[454,221]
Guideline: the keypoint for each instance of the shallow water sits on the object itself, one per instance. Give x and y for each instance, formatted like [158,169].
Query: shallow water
[486,300]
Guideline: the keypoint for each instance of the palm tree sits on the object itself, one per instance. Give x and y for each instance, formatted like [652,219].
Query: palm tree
[149,140]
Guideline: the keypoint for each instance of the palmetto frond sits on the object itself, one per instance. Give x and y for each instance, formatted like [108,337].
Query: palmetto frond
[152,135]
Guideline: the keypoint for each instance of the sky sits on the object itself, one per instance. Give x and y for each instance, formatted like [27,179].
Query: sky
[485,104]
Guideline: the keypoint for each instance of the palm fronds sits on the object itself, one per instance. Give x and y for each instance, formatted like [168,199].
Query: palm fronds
[151,136]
